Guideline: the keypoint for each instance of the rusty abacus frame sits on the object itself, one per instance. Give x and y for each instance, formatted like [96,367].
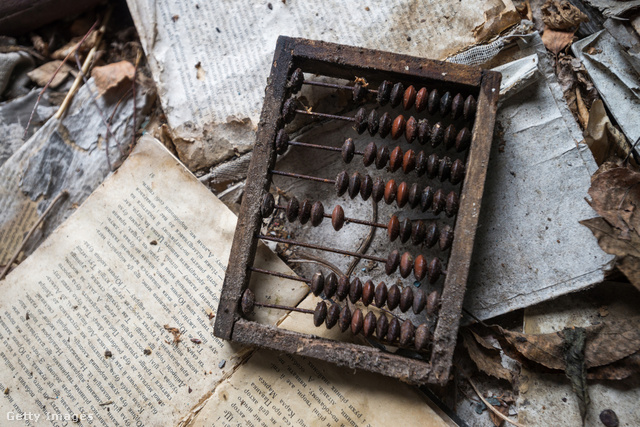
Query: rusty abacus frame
[345,62]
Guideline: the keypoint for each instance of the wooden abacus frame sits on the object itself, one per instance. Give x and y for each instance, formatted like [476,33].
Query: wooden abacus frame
[345,62]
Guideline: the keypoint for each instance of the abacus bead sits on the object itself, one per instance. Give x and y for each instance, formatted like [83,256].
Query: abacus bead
[434,271]
[384,92]
[405,230]
[406,299]
[390,191]
[293,208]
[433,102]
[369,324]
[395,159]
[396,94]
[368,292]
[433,234]
[333,314]
[394,330]
[432,165]
[296,80]
[419,301]
[457,171]
[382,326]
[470,105]
[409,161]
[248,302]
[289,110]
[373,122]
[397,129]
[393,261]
[378,189]
[359,92]
[426,198]
[446,238]
[437,134]
[420,268]
[407,331]
[409,97]
[354,184]
[421,99]
[337,217]
[305,211]
[444,171]
[422,337]
[317,283]
[366,187]
[381,294]
[268,205]
[355,290]
[418,232]
[320,313]
[463,139]
[382,157]
[457,106]
[393,228]
[432,303]
[445,103]
[330,285]
[439,201]
[452,203]
[406,264]
[357,322]
[393,297]
[342,183]
[317,214]
[403,194]
[421,163]
[414,195]
[361,121]
[282,141]
[385,125]
[343,288]
[450,134]
[345,318]
[424,131]
[411,129]
[348,150]
[369,154]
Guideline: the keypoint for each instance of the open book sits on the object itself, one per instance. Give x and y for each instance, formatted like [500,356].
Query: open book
[110,322]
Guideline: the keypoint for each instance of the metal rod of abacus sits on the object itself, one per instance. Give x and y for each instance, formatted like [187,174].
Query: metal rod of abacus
[320,147]
[278,274]
[326,116]
[333,85]
[283,307]
[346,219]
[321,248]
[300,176]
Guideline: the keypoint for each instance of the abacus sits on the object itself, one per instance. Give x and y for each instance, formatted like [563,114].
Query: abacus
[453,109]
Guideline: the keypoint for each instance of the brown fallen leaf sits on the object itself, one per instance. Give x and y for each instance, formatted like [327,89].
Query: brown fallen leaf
[112,75]
[556,41]
[486,359]
[44,73]
[561,15]
[619,370]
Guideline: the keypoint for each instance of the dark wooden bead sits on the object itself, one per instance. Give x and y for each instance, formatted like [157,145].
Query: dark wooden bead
[409,97]
[418,232]
[406,264]
[373,122]
[382,157]
[317,214]
[345,318]
[439,201]
[393,297]
[426,198]
[317,283]
[382,326]
[342,183]
[445,103]
[378,189]
[357,322]
[419,301]
[289,110]
[450,134]
[420,268]
[247,302]
[343,288]
[395,160]
[354,184]
[333,314]
[385,125]
[463,140]
[296,80]
[393,228]
[293,208]
[437,134]
[330,285]
[411,129]
[409,161]
[433,300]
[384,92]
[320,313]
[305,211]
[368,292]
[393,261]
[406,299]
[424,131]
[433,103]
[355,290]
[348,150]
[403,194]
[369,324]
[282,141]
[444,171]
[470,106]
[397,94]
[267,205]
[452,204]
[390,191]
[405,230]
[407,332]
[421,163]
[421,337]
[369,154]
[457,106]
[397,128]
[359,92]
[366,187]
[433,234]
[434,271]
[446,238]
[337,217]
[394,330]
[421,99]
[457,171]
[432,165]
[361,123]
[414,195]
[381,294]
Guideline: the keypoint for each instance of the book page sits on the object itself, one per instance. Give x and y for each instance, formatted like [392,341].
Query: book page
[110,321]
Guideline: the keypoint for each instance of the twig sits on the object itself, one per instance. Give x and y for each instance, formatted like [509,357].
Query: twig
[490,406]
[133,88]
[63,194]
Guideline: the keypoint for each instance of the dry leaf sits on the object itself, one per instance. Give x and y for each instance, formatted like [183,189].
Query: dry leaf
[486,359]
[620,370]
[43,74]
[561,15]
[112,75]
[602,138]
[556,41]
